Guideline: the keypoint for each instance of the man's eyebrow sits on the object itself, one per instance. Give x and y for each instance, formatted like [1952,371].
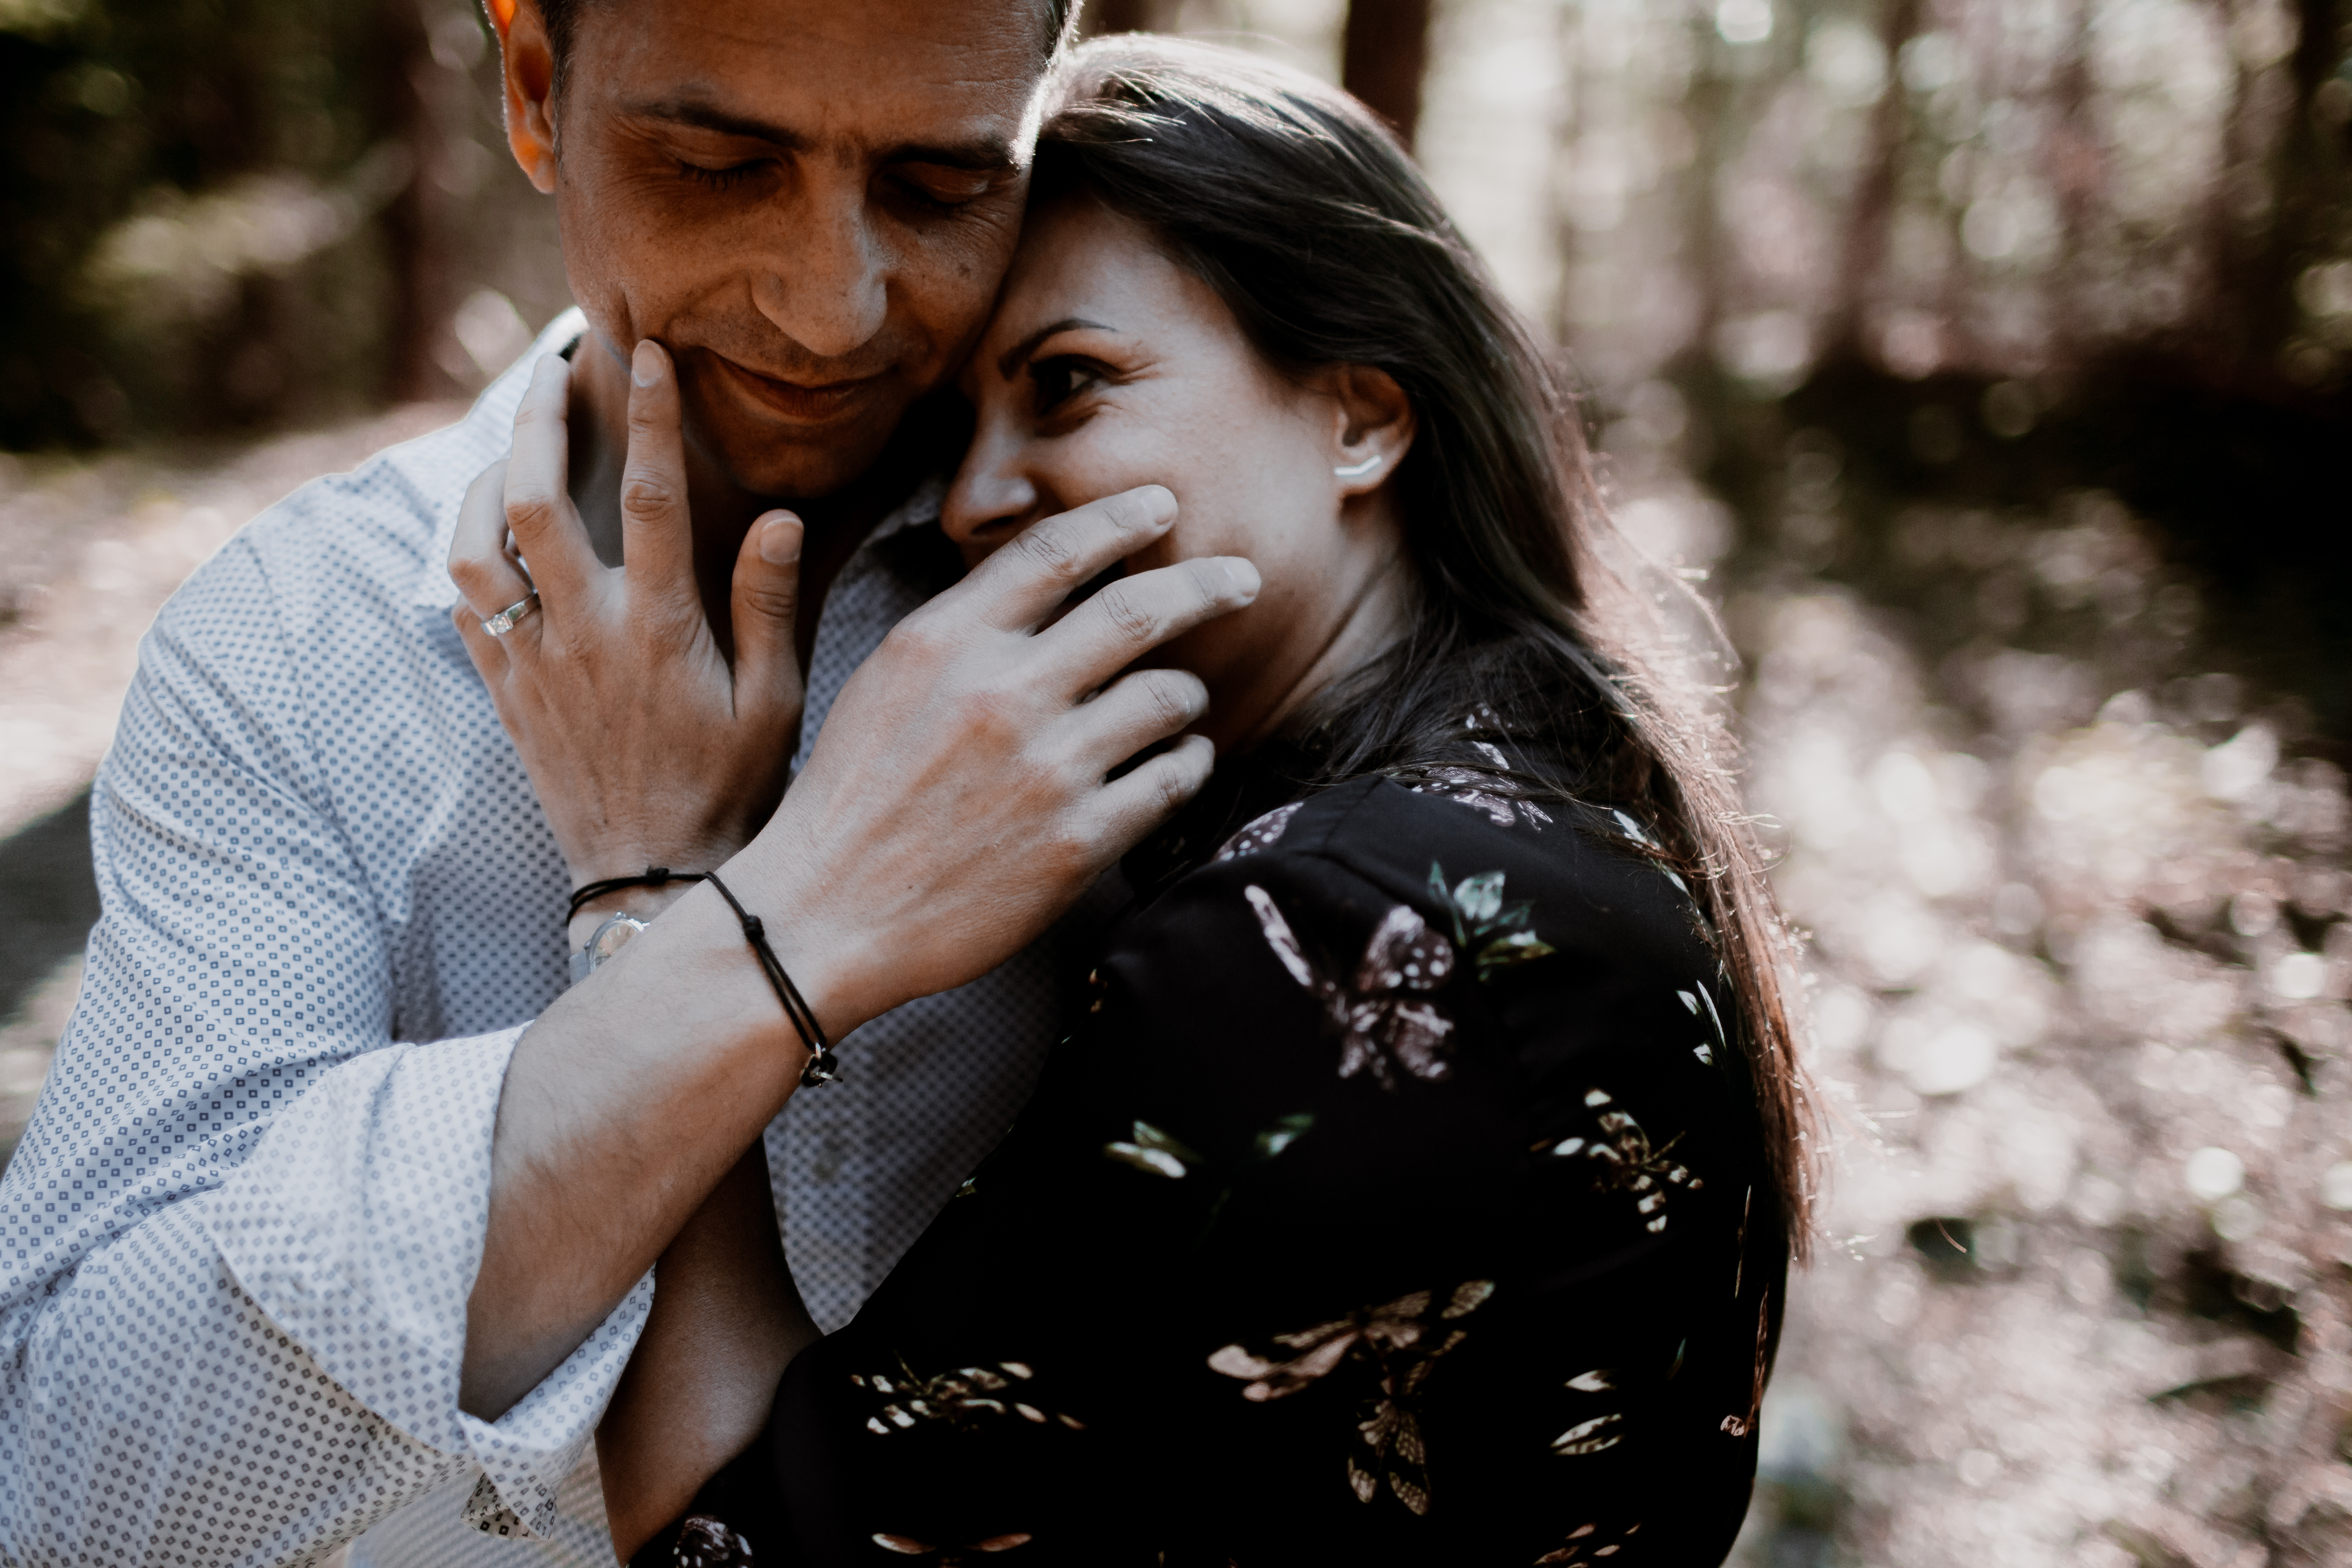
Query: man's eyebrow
[1012,356]
[982,154]
[709,117]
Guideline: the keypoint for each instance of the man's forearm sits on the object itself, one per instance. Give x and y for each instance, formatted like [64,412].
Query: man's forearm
[623,1105]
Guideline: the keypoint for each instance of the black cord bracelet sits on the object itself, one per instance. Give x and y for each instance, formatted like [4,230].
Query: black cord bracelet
[822,1067]
[655,877]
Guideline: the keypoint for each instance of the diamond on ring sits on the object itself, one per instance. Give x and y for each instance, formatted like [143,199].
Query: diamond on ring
[502,623]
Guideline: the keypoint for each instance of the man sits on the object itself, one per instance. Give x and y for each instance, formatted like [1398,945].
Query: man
[338,1209]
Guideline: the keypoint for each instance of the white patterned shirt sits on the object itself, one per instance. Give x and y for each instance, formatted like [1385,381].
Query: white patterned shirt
[237,1239]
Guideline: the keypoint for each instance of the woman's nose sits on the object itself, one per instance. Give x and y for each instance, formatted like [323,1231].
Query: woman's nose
[993,497]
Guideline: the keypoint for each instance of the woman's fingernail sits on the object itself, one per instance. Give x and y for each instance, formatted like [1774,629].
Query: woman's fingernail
[646,365]
[780,539]
[1244,576]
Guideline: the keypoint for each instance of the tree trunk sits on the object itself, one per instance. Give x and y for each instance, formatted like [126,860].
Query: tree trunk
[1381,60]
[1871,215]
[415,227]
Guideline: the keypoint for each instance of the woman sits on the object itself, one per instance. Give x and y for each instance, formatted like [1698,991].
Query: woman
[1420,1182]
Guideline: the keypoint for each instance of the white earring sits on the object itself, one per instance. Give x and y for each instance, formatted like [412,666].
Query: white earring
[1358,470]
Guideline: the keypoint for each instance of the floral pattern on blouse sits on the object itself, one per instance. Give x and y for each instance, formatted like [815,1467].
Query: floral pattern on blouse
[1476,905]
[706,1542]
[1589,1543]
[1473,788]
[1261,833]
[949,1556]
[1643,837]
[1403,1342]
[1691,1000]
[1383,1027]
[1594,1434]
[964,1398]
[1626,1161]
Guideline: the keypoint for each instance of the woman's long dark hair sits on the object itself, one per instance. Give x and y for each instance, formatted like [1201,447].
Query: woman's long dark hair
[1300,208]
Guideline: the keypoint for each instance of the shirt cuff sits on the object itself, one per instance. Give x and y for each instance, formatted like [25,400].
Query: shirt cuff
[358,1226]
[526,1453]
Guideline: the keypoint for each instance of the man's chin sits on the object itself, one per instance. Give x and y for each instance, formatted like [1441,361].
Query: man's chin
[793,465]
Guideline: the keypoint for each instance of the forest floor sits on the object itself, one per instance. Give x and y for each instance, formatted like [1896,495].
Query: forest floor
[2078,967]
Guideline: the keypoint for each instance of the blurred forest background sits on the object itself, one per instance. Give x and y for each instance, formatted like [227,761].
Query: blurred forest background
[1985,361]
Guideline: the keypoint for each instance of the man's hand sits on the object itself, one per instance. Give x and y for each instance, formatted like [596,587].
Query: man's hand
[643,745]
[958,800]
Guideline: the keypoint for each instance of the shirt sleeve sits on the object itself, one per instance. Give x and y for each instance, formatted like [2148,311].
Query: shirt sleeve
[237,1240]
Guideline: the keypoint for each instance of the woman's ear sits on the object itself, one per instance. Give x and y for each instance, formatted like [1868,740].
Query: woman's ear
[527,57]
[1372,425]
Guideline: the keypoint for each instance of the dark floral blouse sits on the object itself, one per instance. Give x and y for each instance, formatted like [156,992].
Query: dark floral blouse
[1399,1200]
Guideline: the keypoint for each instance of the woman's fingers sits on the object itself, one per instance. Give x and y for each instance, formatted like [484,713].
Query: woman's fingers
[657,529]
[1135,615]
[1019,586]
[1138,709]
[537,503]
[766,600]
[480,563]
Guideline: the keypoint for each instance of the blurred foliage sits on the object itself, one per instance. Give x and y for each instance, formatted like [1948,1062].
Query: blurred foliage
[226,214]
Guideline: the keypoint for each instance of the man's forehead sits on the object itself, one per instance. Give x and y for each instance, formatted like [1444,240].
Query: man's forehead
[796,62]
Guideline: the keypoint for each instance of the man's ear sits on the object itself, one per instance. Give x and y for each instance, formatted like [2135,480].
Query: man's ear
[527,58]
[1372,424]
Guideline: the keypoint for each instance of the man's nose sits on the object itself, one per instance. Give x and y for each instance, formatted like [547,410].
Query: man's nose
[827,286]
[992,497]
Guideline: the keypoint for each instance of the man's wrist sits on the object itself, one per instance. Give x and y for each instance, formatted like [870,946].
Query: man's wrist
[641,902]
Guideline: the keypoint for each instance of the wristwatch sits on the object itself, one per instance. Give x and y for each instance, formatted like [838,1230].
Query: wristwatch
[615,933]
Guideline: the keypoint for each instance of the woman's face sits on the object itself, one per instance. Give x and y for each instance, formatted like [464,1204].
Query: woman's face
[1108,366]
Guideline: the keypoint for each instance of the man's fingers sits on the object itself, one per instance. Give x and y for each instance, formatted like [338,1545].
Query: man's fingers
[657,529]
[766,599]
[1134,804]
[1137,711]
[479,563]
[1135,615]
[539,510]
[1023,584]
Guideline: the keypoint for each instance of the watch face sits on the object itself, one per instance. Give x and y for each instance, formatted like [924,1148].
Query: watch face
[611,937]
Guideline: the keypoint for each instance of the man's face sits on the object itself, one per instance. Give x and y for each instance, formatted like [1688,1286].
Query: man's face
[810,203]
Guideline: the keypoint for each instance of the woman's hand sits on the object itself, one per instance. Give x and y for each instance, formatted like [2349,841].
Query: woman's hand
[727,1319]
[961,796]
[645,747]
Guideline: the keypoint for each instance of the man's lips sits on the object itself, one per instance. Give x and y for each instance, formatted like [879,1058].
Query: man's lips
[803,403]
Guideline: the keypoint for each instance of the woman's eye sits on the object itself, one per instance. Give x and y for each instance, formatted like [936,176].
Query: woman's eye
[1058,379]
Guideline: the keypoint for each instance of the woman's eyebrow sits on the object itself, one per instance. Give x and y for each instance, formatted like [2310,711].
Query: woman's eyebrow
[1028,345]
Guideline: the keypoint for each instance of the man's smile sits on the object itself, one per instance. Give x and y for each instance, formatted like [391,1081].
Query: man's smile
[800,402]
